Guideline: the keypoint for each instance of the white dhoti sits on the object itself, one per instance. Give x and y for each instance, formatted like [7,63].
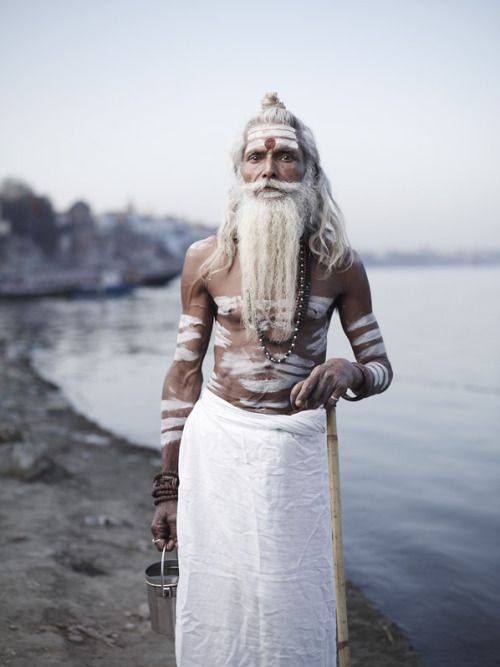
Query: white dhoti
[256,586]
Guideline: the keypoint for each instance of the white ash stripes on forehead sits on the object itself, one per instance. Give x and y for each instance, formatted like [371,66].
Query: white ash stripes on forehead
[283,135]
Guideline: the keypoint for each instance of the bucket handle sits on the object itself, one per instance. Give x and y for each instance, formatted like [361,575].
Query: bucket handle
[165,590]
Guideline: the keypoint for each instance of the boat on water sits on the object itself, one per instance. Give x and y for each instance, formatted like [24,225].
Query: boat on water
[68,282]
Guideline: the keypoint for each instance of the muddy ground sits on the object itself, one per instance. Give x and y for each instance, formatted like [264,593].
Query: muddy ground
[74,543]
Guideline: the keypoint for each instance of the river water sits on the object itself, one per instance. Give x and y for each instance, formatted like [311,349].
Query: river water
[420,464]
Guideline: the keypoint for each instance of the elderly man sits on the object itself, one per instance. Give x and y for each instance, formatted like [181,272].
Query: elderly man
[244,484]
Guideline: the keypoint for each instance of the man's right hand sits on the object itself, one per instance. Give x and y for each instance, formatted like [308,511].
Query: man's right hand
[164,525]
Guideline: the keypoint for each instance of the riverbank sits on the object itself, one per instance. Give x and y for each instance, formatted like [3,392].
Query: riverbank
[75,541]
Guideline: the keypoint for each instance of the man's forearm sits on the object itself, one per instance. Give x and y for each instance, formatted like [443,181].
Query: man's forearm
[181,390]
[374,376]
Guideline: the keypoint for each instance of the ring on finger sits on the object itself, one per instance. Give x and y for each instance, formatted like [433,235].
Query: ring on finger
[156,540]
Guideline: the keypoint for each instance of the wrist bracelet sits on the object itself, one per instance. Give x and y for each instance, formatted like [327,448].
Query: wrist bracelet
[165,485]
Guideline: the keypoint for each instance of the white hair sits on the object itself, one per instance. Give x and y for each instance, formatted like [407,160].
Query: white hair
[324,230]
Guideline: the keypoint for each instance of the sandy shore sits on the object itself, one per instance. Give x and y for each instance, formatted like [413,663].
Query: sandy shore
[75,541]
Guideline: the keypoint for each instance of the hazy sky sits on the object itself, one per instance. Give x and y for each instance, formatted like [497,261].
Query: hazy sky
[114,101]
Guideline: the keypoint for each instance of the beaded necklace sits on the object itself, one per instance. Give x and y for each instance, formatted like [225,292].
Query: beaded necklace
[301,304]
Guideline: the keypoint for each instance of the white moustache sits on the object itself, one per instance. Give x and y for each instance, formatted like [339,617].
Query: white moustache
[283,187]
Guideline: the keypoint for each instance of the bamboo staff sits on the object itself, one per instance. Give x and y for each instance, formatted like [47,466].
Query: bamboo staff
[332,443]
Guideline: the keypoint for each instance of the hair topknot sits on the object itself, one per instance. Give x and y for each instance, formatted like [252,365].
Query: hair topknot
[270,101]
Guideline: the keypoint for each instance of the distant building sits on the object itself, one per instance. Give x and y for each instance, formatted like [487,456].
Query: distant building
[79,232]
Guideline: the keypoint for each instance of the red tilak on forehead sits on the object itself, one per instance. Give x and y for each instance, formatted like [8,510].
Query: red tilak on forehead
[270,143]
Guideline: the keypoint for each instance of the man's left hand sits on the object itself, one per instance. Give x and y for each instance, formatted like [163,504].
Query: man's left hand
[326,385]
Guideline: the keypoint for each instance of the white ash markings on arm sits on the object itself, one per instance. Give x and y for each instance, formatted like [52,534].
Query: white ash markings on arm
[189,320]
[185,336]
[174,404]
[362,322]
[372,351]
[367,337]
[380,374]
[172,422]
[183,354]
[170,436]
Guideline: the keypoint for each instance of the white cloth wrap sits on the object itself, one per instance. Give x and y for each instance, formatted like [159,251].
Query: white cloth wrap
[256,586]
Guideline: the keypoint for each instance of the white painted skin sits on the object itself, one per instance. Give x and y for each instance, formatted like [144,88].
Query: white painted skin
[186,336]
[367,337]
[201,244]
[284,136]
[372,351]
[222,336]
[281,143]
[318,340]
[362,322]
[187,333]
[243,375]
[172,422]
[228,304]
[318,306]
[270,130]
[189,321]
[167,437]
[266,405]
[268,386]
[174,404]
[240,364]
[375,349]
[380,375]
[183,354]
[249,372]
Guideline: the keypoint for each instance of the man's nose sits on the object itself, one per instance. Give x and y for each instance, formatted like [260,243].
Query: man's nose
[269,168]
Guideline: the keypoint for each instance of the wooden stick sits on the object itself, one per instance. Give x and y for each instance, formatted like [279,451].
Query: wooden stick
[338,556]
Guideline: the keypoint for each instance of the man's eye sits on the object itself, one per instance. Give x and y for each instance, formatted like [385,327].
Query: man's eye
[287,157]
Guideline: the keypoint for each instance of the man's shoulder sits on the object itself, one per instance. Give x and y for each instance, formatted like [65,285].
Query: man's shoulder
[354,261]
[349,265]
[200,250]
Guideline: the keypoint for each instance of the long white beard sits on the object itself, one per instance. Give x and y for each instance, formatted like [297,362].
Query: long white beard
[269,229]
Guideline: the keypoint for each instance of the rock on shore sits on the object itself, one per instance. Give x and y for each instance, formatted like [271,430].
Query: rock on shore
[75,541]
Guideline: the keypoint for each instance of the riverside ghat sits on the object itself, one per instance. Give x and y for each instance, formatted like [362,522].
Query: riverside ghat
[75,540]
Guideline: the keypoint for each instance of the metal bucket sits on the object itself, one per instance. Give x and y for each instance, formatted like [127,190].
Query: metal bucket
[161,583]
